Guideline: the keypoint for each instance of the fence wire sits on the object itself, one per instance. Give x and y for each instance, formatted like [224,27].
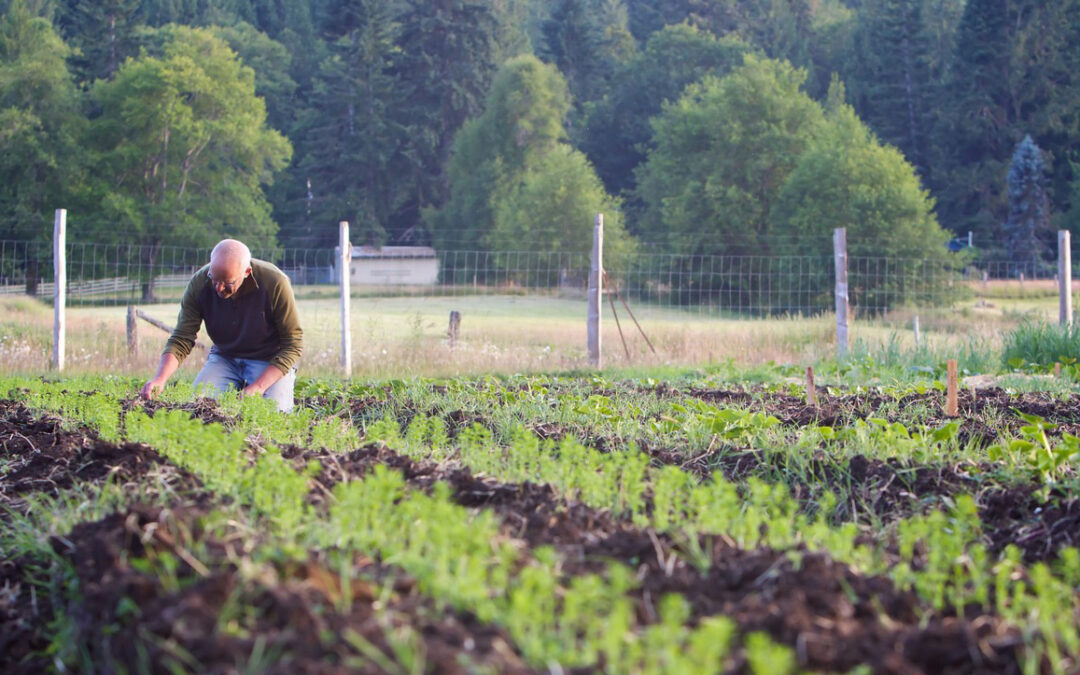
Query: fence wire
[721,286]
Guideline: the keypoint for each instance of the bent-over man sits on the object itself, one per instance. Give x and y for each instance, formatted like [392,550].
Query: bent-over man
[250,316]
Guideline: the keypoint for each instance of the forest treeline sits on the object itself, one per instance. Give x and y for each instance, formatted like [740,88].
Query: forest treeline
[697,126]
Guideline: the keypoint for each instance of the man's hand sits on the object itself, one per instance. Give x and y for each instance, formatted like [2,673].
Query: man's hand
[166,368]
[252,390]
[151,388]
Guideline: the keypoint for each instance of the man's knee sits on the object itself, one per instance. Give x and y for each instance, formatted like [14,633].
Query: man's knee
[281,392]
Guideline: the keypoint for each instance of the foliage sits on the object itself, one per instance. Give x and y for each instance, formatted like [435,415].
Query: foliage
[184,149]
[617,126]
[722,154]
[40,125]
[516,184]
[1029,208]
[1041,345]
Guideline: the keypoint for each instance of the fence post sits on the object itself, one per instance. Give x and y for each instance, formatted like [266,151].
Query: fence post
[1065,310]
[840,261]
[596,268]
[132,332]
[455,325]
[60,288]
[345,269]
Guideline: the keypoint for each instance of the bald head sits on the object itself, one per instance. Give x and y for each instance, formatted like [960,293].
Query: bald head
[230,264]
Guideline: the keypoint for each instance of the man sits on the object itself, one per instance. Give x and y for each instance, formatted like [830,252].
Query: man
[250,316]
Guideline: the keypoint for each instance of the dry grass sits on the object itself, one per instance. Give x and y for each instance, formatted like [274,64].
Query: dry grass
[394,337]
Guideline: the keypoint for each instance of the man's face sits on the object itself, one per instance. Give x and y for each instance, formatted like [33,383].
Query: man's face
[227,277]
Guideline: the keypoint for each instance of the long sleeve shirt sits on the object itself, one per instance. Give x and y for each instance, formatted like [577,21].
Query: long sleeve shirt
[259,321]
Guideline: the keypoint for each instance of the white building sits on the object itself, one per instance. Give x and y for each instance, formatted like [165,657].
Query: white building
[391,265]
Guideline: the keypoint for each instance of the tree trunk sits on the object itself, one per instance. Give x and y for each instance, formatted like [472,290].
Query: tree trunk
[148,274]
[32,277]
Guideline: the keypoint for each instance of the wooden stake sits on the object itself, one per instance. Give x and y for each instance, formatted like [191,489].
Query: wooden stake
[952,406]
[132,332]
[811,389]
[1057,370]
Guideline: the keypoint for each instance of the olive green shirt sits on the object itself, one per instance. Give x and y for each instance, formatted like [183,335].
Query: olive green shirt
[259,321]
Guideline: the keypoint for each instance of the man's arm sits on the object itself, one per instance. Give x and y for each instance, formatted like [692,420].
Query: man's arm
[264,381]
[166,367]
[180,343]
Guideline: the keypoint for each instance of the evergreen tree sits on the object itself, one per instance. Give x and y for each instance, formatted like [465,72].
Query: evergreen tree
[447,62]
[350,144]
[103,33]
[587,40]
[1029,208]
[892,76]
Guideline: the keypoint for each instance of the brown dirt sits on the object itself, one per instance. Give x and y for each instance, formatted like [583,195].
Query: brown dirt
[835,618]
[293,612]
[38,455]
[205,409]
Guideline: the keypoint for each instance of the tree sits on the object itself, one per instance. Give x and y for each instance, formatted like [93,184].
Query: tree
[448,49]
[617,128]
[1029,207]
[847,178]
[350,142]
[184,149]
[522,120]
[549,207]
[1016,71]
[516,184]
[721,155]
[271,62]
[587,40]
[103,33]
[40,161]
[893,75]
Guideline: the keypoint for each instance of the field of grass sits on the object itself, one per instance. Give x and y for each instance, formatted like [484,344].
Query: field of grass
[407,335]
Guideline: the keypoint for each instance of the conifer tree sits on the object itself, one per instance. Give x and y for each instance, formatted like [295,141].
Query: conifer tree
[1029,207]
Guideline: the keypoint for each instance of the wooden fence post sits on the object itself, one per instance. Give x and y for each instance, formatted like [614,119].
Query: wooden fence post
[840,261]
[132,332]
[596,269]
[60,288]
[1065,308]
[345,267]
[455,326]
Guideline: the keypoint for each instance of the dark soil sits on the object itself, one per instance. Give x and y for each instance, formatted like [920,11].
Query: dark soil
[38,455]
[205,409]
[206,617]
[835,618]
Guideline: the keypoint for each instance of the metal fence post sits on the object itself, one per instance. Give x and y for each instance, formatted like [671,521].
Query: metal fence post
[840,261]
[345,268]
[60,287]
[596,282]
[1065,309]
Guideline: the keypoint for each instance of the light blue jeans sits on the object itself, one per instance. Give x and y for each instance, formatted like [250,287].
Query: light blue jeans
[222,373]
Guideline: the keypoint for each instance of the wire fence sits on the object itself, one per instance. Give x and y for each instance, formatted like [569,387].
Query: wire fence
[723,286]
